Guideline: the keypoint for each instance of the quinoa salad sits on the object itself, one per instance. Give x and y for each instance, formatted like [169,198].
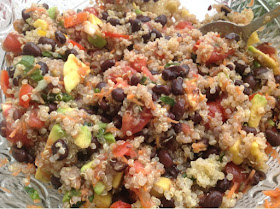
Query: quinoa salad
[127,104]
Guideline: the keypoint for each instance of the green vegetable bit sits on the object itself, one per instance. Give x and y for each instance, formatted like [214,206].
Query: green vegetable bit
[171,64]
[99,188]
[256,64]
[33,193]
[167,100]
[102,125]
[97,41]
[143,80]
[52,12]
[47,54]
[138,11]
[36,75]
[68,195]
[109,137]
[28,62]
[271,122]
[90,198]
[96,90]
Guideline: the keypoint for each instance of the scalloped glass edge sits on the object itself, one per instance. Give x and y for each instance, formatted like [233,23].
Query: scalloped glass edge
[52,199]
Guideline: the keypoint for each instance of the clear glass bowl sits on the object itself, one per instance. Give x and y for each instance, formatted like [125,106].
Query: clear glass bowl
[14,196]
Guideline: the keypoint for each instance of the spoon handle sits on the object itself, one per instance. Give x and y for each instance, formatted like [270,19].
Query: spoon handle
[259,22]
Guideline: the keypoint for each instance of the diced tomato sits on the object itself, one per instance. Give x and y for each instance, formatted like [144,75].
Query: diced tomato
[4,81]
[196,44]
[267,49]
[124,149]
[12,44]
[5,109]
[76,44]
[185,128]
[25,89]
[236,171]
[183,25]
[91,10]
[73,20]
[139,167]
[140,65]
[120,204]
[134,125]
[116,35]
[148,73]
[20,135]
[123,73]
[34,121]
[216,107]
[216,56]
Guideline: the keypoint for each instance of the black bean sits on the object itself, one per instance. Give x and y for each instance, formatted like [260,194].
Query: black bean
[259,176]
[272,137]
[161,89]
[225,9]
[156,0]
[100,85]
[114,21]
[240,68]
[25,15]
[52,107]
[250,80]
[277,78]
[246,90]
[135,25]
[60,37]
[11,71]
[30,158]
[177,86]
[46,6]
[154,72]
[238,82]
[18,113]
[146,37]
[107,64]
[156,33]
[143,18]
[103,105]
[118,165]
[56,182]
[165,158]
[3,127]
[173,171]
[118,94]
[50,41]
[196,118]
[223,185]
[44,67]
[177,128]
[146,0]
[193,57]
[134,80]
[233,36]
[204,141]
[167,37]
[70,51]
[260,70]
[56,147]
[175,71]
[30,48]
[179,109]
[212,200]
[164,203]
[16,81]
[105,119]
[213,97]
[117,120]
[95,141]
[155,97]
[130,47]
[20,154]
[210,150]
[230,66]
[105,15]
[162,19]
[249,130]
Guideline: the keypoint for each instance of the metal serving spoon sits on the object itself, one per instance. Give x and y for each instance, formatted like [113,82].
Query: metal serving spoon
[224,27]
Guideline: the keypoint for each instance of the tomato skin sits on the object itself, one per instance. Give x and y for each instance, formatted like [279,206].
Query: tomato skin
[124,149]
[25,89]
[183,25]
[216,56]
[116,35]
[34,121]
[128,121]
[120,204]
[74,43]
[91,10]
[19,136]
[267,49]
[12,44]
[138,63]
[216,107]
[4,81]
[76,19]
[236,171]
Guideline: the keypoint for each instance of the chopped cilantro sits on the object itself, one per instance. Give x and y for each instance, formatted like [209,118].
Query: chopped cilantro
[221,156]
[256,64]
[88,124]
[143,80]
[28,62]
[167,100]
[33,193]
[96,90]
[47,54]
[90,198]
[102,125]
[138,11]
[68,195]
[36,76]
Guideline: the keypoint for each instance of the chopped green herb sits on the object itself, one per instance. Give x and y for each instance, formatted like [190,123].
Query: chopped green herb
[88,124]
[78,204]
[138,11]
[33,193]
[66,97]
[184,175]
[256,64]
[102,125]
[97,41]
[100,134]
[171,64]
[52,12]
[167,100]
[47,54]
[27,61]
[192,178]
[96,90]
[221,156]
[90,198]
[68,195]
[1,110]
[271,122]
[109,137]
[36,75]
[143,80]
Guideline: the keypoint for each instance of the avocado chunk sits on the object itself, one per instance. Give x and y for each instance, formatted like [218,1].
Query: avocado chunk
[83,140]
[258,101]
[73,70]
[86,166]
[97,41]
[56,133]
[161,186]
[64,110]
[265,59]
[109,137]
[234,150]
[99,187]
[102,201]
[117,180]
[253,39]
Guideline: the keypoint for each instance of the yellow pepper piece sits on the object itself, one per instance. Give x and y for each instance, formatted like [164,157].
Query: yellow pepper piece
[253,39]
[171,6]
[41,24]
[94,20]
[161,186]
[41,32]
[255,151]
[117,180]
[185,13]
[236,158]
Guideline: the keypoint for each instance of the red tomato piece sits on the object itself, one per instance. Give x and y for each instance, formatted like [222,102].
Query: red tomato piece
[76,44]
[134,125]
[139,167]
[5,109]
[34,121]
[124,149]
[138,63]
[216,56]
[91,10]
[267,49]
[216,107]
[4,81]
[20,135]
[123,73]
[120,204]
[25,89]
[12,44]
[116,35]
[236,171]
[183,25]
